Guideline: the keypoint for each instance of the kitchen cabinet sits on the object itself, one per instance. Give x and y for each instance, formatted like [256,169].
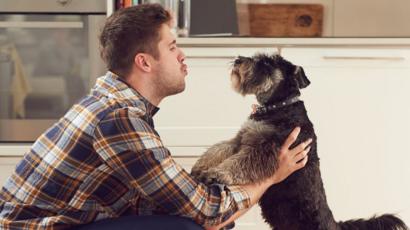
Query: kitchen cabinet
[358,103]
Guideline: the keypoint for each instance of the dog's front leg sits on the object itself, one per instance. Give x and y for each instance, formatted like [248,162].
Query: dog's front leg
[249,165]
[213,157]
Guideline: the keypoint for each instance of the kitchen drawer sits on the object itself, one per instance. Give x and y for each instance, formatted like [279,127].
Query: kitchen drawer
[349,57]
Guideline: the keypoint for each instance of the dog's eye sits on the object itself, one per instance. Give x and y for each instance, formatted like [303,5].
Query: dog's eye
[266,62]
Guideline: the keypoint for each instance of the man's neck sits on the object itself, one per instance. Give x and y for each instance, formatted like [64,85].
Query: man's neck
[142,85]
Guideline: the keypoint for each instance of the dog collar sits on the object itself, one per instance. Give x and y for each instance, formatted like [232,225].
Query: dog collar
[264,109]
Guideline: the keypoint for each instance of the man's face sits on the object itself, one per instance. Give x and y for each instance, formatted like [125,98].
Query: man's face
[169,69]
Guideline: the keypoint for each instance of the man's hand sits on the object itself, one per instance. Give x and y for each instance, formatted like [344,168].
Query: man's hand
[291,160]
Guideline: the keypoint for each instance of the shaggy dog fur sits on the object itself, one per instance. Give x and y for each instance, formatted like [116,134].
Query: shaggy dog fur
[299,202]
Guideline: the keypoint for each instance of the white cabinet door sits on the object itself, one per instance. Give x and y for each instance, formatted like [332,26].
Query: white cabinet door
[250,221]
[358,101]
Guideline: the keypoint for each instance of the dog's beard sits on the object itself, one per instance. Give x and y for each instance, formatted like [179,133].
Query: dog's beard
[235,82]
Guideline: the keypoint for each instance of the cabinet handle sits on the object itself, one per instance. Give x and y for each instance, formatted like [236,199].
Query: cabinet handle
[63,2]
[363,58]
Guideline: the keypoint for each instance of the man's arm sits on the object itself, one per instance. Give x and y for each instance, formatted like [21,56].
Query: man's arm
[290,160]
[131,148]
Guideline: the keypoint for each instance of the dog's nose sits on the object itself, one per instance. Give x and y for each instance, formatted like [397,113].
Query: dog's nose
[240,59]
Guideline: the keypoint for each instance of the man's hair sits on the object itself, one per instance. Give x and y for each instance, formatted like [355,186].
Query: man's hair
[130,31]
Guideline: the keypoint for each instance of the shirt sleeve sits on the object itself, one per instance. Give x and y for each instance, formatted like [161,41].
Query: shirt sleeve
[134,150]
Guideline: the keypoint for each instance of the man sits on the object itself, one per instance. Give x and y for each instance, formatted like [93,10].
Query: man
[103,164]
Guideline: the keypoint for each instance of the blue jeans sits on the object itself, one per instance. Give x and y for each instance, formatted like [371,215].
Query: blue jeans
[144,223]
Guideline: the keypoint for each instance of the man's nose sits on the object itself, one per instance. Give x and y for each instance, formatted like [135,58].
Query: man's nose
[181,56]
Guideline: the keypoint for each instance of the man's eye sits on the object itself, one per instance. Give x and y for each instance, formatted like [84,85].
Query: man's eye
[173,48]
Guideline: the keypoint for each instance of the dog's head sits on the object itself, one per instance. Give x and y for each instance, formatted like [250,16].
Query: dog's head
[270,77]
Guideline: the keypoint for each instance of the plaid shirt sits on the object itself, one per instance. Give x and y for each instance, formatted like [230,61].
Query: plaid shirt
[104,159]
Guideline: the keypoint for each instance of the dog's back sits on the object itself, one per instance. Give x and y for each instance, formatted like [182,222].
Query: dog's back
[299,202]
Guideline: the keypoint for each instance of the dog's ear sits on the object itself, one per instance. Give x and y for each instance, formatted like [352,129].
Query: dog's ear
[301,78]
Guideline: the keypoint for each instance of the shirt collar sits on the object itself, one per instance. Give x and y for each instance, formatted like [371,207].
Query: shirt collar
[115,87]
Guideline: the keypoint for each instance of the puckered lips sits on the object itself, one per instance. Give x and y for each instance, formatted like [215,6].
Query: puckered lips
[184,68]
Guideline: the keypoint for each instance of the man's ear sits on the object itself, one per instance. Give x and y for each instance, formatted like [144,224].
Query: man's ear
[142,62]
[301,78]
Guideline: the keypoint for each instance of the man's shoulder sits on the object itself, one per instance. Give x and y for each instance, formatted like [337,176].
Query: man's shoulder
[96,110]
[91,107]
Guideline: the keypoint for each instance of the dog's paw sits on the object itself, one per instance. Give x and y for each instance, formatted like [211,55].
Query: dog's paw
[198,168]
[196,174]
[214,175]
[202,176]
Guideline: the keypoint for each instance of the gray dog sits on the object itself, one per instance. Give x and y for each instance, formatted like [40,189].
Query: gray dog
[299,202]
